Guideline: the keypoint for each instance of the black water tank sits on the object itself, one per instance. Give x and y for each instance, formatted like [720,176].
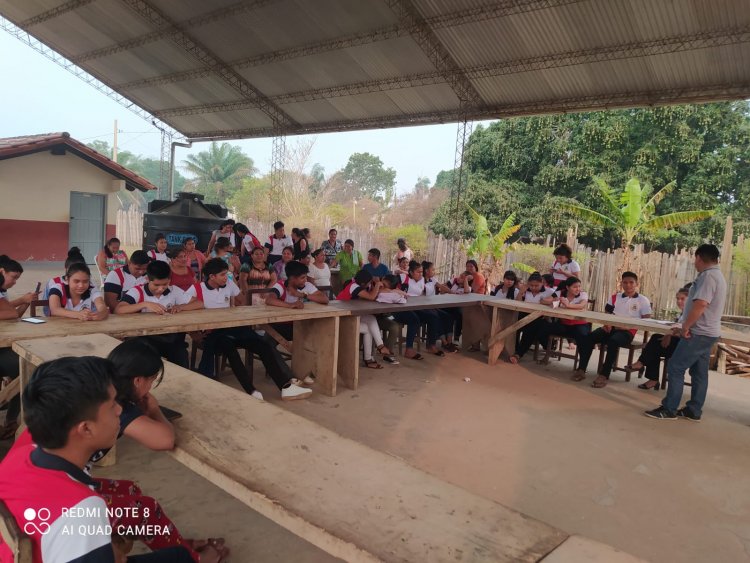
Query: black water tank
[186,216]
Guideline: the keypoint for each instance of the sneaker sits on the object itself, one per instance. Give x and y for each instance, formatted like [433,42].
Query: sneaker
[661,413]
[257,395]
[294,392]
[686,414]
[391,359]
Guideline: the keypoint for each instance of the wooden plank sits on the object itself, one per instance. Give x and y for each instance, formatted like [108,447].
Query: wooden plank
[283,342]
[10,390]
[362,307]
[365,505]
[348,360]
[316,352]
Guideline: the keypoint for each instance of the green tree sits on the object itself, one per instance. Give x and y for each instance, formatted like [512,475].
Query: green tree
[219,171]
[366,176]
[487,248]
[253,200]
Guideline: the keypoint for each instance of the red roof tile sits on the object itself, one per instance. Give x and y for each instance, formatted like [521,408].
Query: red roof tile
[11,147]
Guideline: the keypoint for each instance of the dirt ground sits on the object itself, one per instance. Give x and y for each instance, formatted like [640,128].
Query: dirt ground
[584,460]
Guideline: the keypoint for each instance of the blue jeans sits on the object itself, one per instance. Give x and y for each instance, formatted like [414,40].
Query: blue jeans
[691,354]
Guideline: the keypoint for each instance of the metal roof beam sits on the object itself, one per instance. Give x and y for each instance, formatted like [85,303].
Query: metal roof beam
[203,19]
[698,94]
[211,61]
[54,13]
[716,38]
[490,11]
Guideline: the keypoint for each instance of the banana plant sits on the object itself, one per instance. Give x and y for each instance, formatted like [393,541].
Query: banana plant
[489,249]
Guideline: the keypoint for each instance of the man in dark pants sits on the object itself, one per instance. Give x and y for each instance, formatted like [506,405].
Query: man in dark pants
[699,330]
[629,303]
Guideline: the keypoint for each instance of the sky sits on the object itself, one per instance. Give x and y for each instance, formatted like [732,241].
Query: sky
[38,96]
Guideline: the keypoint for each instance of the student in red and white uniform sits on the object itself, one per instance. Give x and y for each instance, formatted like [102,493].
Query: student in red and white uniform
[216,292]
[160,250]
[246,242]
[629,303]
[71,413]
[574,298]
[277,242]
[532,292]
[75,297]
[159,297]
[363,287]
[564,266]
[122,279]
[415,287]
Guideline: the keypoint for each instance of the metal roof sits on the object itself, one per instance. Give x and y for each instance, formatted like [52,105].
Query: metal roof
[59,144]
[256,68]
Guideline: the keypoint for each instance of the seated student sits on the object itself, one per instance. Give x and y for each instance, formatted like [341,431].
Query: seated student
[549,281]
[629,303]
[571,297]
[160,252]
[377,269]
[122,279]
[509,288]
[245,242]
[181,275]
[11,271]
[287,255]
[291,294]
[76,297]
[111,257]
[533,292]
[362,287]
[320,273]
[415,287]
[256,275]
[402,270]
[216,292]
[160,297]
[659,346]
[9,369]
[277,242]
[71,413]
[450,316]
[408,318]
[223,249]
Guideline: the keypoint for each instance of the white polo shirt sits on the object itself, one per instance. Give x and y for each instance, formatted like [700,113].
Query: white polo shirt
[572,267]
[276,245]
[529,297]
[430,287]
[121,280]
[282,292]
[415,288]
[62,290]
[218,298]
[171,297]
[635,307]
[158,256]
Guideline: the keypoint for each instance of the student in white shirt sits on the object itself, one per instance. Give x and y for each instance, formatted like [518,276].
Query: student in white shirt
[574,298]
[122,279]
[291,294]
[76,297]
[509,288]
[277,242]
[320,273]
[532,292]
[160,249]
[415,287]
[216,292]
[159,297]
[629,303]
[564,266]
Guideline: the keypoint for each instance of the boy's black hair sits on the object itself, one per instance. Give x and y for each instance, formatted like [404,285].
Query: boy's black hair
[392,281]
[375,252]
[74,255]
[363,277]
[158,270]
[631,275]
[140,258]
[708,253]
[349,242]
[159,237]
[63,393]
[9,265]
[133,358]
[294,268]
[222,243]
[277,225]
[213,267]
[76,267]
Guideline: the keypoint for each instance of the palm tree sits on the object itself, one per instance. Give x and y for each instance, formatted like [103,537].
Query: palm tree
[633,213]
[220,165]
[488,249]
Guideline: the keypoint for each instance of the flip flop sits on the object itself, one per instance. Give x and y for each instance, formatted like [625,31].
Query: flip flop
[372,364]
[600,382]
[415,357]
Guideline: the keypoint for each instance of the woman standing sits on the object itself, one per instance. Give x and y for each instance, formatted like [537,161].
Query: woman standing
[564,266]
[403,252]
[256,275]
[224,230]
[110,257]
[300,243]
[194,258]
[181,275]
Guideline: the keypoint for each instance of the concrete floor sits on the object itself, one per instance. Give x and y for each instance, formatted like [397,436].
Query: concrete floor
[581,459]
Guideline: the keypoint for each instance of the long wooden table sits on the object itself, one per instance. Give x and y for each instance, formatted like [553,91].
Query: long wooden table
[353,502]
[316,333]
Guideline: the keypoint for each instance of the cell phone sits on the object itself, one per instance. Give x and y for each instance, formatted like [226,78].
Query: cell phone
[33,320]
[38,287]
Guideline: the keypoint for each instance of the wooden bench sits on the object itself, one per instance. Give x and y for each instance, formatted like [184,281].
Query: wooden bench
[356,503]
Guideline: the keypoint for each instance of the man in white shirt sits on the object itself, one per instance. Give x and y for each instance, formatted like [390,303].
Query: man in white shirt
[291,294]
[628,303]
[122,279]
[277,242]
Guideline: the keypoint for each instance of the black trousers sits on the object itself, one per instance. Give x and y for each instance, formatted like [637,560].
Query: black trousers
[532,332]
[613,339]
[653,352]
[230,340]
[172,347]
[9,368]
[579,333]
[457,316]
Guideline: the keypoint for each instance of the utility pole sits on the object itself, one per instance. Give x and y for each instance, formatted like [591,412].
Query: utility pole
[114,144]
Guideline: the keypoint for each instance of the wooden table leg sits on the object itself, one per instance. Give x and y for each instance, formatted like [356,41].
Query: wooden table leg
[476,324]
[315,351]
[348,366]
[25,370]
[495,349]
[502,337]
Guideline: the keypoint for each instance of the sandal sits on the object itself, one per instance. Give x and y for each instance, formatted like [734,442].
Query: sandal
[372,364]
[600,382]
[648,387]
[631,367]
[579,375]
[439,353]
[415,357]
